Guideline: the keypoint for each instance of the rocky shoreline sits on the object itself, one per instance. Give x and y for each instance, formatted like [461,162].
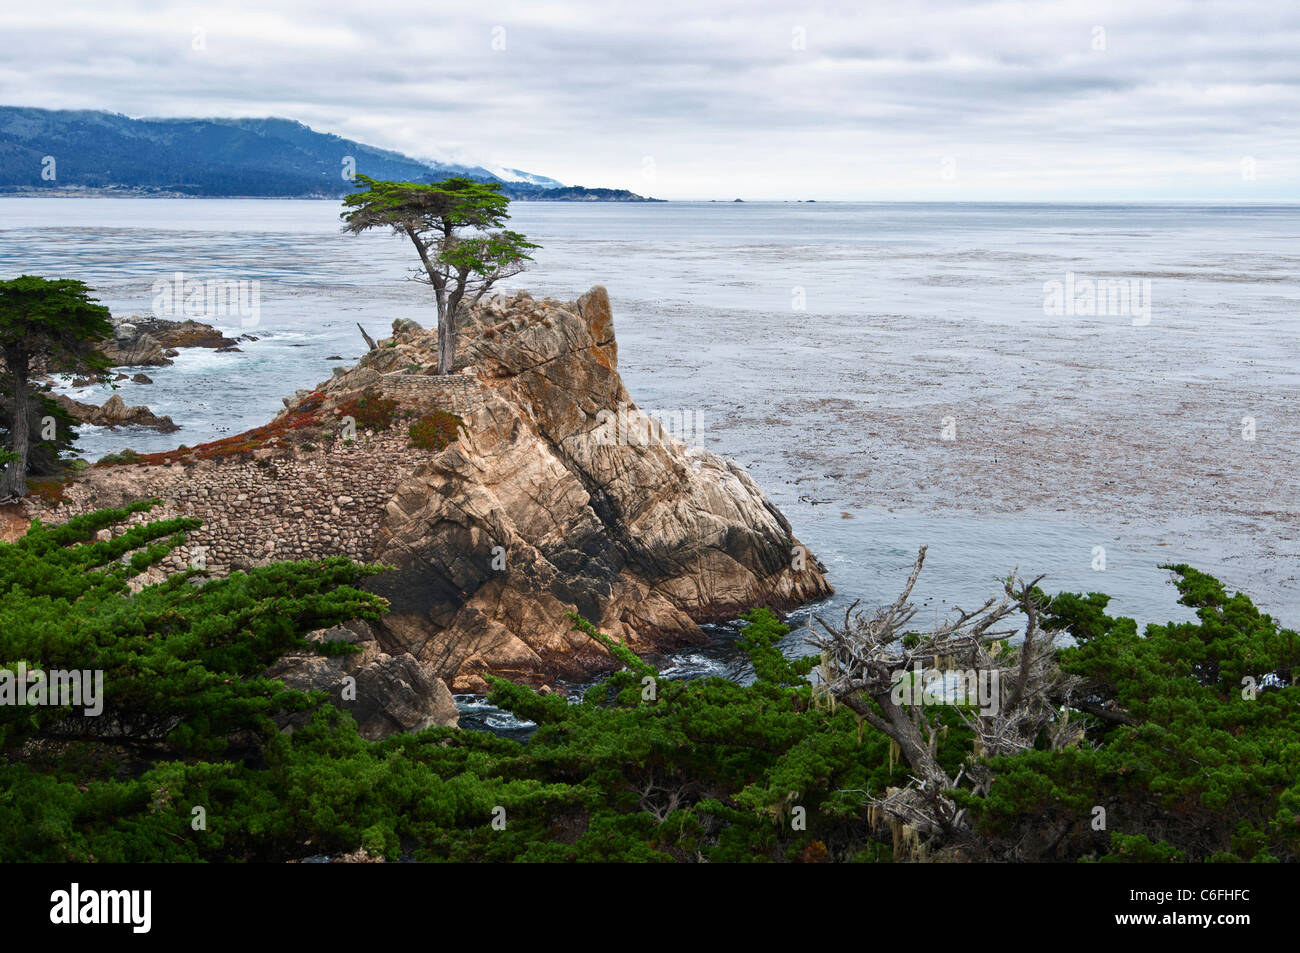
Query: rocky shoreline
[140,341]
[153,342]
[496,497]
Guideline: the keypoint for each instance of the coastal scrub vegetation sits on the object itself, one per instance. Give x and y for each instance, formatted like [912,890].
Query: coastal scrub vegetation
[436,431]
[371,411]
[1186,736]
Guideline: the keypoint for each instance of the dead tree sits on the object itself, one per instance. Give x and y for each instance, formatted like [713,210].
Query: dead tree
[870,664]
[369,339]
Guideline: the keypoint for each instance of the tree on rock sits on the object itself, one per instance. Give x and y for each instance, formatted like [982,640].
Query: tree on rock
[456,228]
[56,322]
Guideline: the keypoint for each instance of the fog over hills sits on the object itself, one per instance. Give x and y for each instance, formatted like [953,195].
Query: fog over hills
[44,150]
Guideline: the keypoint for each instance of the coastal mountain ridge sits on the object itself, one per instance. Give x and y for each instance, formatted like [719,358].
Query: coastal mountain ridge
[78,151]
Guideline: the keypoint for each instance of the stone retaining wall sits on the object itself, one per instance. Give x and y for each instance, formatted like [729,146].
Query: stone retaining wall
[462,394]
[287,504]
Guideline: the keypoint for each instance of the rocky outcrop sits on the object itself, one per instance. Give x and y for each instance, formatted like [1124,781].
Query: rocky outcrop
[115,413]
[555,496]
[540,510]
[386,694]
[145,342]
[152,342]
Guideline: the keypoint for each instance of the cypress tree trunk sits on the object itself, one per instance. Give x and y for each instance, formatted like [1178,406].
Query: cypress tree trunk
[15,475]
[446,340]
[447,309]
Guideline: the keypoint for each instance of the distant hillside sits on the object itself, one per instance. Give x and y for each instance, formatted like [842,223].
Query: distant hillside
[265,158]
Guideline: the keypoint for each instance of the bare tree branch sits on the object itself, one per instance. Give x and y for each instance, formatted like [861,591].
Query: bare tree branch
[872,664]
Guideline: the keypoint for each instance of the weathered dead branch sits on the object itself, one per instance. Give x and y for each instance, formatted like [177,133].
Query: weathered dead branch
[888,675]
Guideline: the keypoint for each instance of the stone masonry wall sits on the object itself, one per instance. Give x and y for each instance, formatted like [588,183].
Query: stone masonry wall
[284,504]
[462,394]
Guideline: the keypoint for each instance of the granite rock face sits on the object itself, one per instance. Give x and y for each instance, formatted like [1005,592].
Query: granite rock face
[386,693]
[561,496]
[115,413]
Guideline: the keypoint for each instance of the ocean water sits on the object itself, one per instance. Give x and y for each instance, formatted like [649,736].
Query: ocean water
[793,328]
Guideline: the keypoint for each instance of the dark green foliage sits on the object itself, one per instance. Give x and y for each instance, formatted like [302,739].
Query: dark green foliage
[54,319]
[179,658]
[706,769]
[1184,765]
[643,769]
[52,325]
[457,229]
[180,662]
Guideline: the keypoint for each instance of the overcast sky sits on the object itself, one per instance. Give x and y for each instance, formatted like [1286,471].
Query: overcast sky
[1141,99]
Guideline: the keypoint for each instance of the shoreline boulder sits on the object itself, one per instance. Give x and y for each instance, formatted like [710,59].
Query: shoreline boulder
[115,413]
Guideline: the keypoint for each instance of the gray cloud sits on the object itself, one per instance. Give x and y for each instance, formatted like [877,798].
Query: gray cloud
[723,96]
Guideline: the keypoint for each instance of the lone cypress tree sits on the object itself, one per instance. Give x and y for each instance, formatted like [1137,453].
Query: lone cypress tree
[56,321]
[455,226]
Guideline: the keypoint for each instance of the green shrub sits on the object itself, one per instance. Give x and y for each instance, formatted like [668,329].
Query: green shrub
[370,410]
[125,456]
[436,432]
